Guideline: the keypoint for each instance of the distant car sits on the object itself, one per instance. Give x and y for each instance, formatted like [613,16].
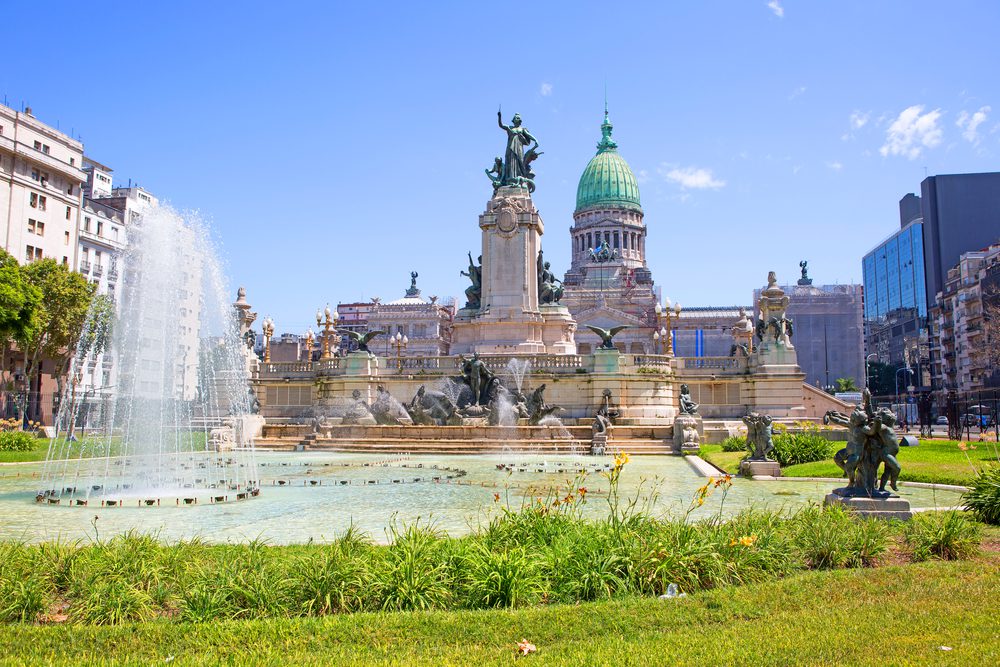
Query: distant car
[941,421]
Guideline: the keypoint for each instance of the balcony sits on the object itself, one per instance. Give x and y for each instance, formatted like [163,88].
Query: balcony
[112,275]
[98,270]
[84,266]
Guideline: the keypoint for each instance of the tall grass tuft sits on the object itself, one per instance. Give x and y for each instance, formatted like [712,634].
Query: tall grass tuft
[500,578]
[413,575]
[983,496]
[944,535]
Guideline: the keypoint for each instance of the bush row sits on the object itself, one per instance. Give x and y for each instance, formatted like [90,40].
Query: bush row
[531,556]
[17,441]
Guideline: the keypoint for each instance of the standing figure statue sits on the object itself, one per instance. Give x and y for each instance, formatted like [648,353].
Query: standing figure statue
[805,279]
[760,436]
[474,292]
[516,165]
[478,377]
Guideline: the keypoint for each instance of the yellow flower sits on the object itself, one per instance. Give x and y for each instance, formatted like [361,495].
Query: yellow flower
[701,501]
[745,541]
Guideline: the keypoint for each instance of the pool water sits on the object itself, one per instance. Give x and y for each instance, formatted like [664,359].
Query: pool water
[317,496]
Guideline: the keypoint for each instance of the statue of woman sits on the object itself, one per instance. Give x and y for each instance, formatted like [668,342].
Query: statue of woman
[514,167]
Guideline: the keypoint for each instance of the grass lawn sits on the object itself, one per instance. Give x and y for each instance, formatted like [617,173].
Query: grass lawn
[901,614]
[89,446]
[939,461]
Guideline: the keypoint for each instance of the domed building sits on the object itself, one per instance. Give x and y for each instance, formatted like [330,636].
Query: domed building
[609,283]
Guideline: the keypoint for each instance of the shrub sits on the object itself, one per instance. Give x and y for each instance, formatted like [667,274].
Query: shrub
[16,441]
[983,496]
[806,447]
[944,535]
[734,443]
[335,580]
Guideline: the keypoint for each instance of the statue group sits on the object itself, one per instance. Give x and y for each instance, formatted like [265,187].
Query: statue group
[514,169]
[760,436]
[871,444]
[474,292]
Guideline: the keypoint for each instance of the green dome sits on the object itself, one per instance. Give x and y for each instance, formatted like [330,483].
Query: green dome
[607,182]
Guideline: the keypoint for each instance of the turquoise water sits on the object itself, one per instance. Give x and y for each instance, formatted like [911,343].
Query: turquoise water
[316,496]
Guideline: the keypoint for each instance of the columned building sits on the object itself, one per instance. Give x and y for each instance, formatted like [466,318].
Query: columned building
[614,287]
[425,325]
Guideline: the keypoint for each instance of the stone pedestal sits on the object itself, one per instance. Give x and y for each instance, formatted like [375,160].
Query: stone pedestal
[360,363]
[688,431]
[892,507]
[607,361]
[599,444]
[510,319]
[750,468]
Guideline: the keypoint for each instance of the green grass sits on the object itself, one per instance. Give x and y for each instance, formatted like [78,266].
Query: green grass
[936,461]
[88,446]
[892,615]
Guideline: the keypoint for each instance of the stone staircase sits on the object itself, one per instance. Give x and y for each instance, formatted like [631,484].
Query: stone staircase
[465,439]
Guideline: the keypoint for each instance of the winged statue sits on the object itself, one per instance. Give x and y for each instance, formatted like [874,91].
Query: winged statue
[361,339]
[607,334]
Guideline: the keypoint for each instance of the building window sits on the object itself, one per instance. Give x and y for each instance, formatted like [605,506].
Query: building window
[100,227]
[33,253]
[65,260]
[65,238]
[41,202]
[86,223]
[36,227]
[72,162]
[33,200]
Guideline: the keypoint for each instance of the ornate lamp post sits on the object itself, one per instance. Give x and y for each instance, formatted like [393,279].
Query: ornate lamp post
[662,335]
[329,325]
[309,345]
[399,342]
[268,328]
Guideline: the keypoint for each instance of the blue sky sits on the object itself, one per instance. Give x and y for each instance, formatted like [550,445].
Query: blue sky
[336,147]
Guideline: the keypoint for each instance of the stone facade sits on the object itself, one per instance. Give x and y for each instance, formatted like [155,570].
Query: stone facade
[426,324]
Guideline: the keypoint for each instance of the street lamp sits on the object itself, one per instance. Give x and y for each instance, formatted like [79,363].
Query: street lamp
[399,342]
[268,328]
[329,325]
[309,345]
[662,335]
[898,371]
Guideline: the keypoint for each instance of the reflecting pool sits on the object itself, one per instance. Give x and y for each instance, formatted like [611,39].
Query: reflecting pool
[316,496]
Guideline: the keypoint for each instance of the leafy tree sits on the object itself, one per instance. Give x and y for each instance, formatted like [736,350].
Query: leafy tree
[66,298]
[882,378]
[846,384]
[19,304]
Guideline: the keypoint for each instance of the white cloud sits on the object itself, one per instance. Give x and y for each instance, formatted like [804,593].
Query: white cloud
[859,119]
[836,165]
[798,91]
[642,176]
[969,123]
[912,132]
[776,7]
[546,89]
[692,178]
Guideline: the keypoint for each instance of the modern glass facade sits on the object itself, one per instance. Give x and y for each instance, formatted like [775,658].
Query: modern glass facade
[894,275]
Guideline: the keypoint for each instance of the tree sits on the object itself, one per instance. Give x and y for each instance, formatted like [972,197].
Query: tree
[19,304]
[882,378]
[846,385]
[61,314]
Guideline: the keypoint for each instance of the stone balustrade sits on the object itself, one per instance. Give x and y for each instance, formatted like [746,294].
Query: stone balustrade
[710,365]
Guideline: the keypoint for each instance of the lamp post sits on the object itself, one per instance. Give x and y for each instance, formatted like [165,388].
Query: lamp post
[268,328]
[329,325]
[399,342]
[663,335]
[310,337]
[898,371]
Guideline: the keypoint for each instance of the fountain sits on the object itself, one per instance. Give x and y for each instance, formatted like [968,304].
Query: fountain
[177,423]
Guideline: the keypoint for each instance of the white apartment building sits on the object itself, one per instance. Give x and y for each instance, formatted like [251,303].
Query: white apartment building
[41,179]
